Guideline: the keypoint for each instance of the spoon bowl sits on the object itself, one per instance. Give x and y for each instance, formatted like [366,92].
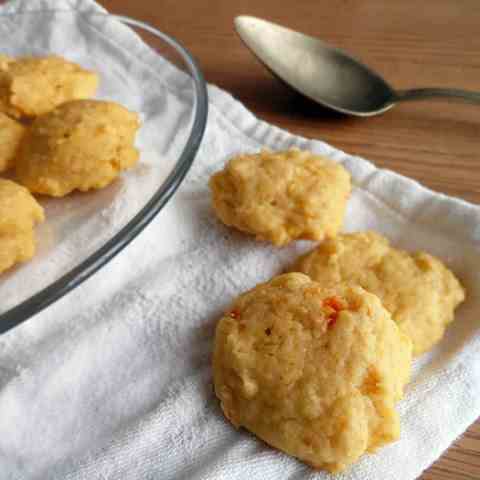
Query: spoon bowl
[326,74]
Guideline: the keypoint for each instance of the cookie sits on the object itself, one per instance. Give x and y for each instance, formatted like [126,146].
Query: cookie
[417,288]
[32,86]
[19,212]
[313,371]
[282,196]
[80,145]
[11,134]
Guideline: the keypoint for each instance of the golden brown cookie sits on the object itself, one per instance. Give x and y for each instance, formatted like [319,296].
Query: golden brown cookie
[282,196]
[417,288]
[11,134]
[31,86]
[312,371]
[19,212]
[81,145]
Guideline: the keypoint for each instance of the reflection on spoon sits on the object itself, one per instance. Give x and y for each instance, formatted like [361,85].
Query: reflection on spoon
[328,75]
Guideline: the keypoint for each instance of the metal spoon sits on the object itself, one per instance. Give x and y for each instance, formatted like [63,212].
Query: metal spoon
[328,75]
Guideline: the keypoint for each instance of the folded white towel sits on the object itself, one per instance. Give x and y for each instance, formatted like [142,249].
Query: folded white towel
[120,388]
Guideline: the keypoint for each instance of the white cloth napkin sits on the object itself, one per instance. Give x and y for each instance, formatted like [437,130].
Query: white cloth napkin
[120,388]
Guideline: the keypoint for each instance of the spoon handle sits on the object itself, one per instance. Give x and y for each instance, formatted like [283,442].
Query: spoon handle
[427,93]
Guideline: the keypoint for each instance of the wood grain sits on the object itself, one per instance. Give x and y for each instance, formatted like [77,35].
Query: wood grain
[413,44]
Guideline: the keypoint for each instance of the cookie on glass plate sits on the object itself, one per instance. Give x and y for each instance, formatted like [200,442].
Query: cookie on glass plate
[19,212]
[31,86]
[11,134]
[80,145]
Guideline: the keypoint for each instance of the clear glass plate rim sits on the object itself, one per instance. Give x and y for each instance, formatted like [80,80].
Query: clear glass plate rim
[120,240]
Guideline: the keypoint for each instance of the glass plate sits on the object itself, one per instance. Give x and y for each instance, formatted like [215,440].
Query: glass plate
[164,84]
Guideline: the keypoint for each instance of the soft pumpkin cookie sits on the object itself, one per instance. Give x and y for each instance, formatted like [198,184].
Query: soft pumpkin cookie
[11,134]
[420,292]
[312,371]
[80,145]
[282,196]
[31,86]
[19,212]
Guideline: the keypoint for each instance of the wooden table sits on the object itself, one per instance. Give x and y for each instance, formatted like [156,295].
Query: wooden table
[411,42]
